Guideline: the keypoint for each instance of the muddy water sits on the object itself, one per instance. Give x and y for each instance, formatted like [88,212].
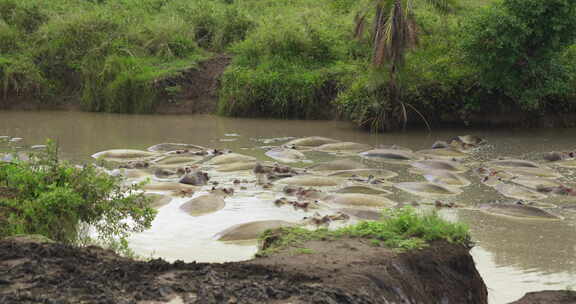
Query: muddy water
[514,256]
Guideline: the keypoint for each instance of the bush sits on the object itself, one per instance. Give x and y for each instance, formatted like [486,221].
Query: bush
[55,199]
[515,46]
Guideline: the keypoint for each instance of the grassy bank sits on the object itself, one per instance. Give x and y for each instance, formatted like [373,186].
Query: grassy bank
[402,229]
[291,58]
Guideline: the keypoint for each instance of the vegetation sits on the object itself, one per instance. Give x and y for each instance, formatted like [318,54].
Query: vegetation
[376,62]
[402,229]
[68,204]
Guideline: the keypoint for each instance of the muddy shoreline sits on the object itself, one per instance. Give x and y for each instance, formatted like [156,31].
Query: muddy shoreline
[347,271]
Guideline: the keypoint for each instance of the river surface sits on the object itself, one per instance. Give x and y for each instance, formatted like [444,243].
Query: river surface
[513,256]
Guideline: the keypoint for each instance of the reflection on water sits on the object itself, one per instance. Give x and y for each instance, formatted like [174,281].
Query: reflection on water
[513,256]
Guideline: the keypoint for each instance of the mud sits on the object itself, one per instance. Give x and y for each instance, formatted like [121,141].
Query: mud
[345,271]
[548,297]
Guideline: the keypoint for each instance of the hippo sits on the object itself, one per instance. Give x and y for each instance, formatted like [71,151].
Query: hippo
[285,155]
[312,181]
[250,230]
[443,153]
[512,163]
[236,166]
[195,178]
[230,158]
[309,142]
[169,186]
[531,172]
[123,154]
[568,163]
[370,215]
[445,178]
[389,155]
[375,173]
[158,200]
[427,189]
[340,164]
[341,147]
[517,210]
[518,192]
[358,199]
[204,204]
[438,165]
[360,189]
[168,147]
[440,144]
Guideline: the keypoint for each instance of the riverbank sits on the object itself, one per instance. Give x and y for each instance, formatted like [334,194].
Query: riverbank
[346,271]
[272,59]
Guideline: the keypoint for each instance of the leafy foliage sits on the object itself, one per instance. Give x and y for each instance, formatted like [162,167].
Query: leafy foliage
[52,198]
[515,46]
[403,229]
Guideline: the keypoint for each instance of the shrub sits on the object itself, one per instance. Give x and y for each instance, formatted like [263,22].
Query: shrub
[53,198]
[515,46]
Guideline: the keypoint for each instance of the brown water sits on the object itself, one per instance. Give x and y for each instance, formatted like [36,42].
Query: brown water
[514,256]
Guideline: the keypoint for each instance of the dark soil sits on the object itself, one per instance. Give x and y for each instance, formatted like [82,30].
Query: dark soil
[199,92]
[548,297]
[349,271]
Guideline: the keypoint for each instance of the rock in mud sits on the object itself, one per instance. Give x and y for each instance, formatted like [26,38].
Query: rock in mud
[517,210]
[158,200]
[337,165]
[312,181]
[204,204]
[309,142]
[548,297]
[250,231]
[427,189]
[286,155]
[230,158]
[343,147]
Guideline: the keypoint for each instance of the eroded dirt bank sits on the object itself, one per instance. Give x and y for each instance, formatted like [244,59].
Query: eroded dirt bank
[349,271]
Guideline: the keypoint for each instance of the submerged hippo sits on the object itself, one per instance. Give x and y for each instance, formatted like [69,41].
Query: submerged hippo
[204,204]
[236,166]
[286,155]
[517,210]
[349,147]
[445,178]
[158,200]
[336,165]
[360,189]
[123,154]
[512,163]
[167,147]
[312,181]
[389,155]
[176,161]
[427,189]
[375,173]
[250,231]
[518,192]
[230,158]
[528,171]
[443,165]
[309,142]
[169,186]
[358,199]
[443,153]
[370,215]
[195,177]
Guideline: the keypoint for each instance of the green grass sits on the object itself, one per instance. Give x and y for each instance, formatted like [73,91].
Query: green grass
[401,229]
